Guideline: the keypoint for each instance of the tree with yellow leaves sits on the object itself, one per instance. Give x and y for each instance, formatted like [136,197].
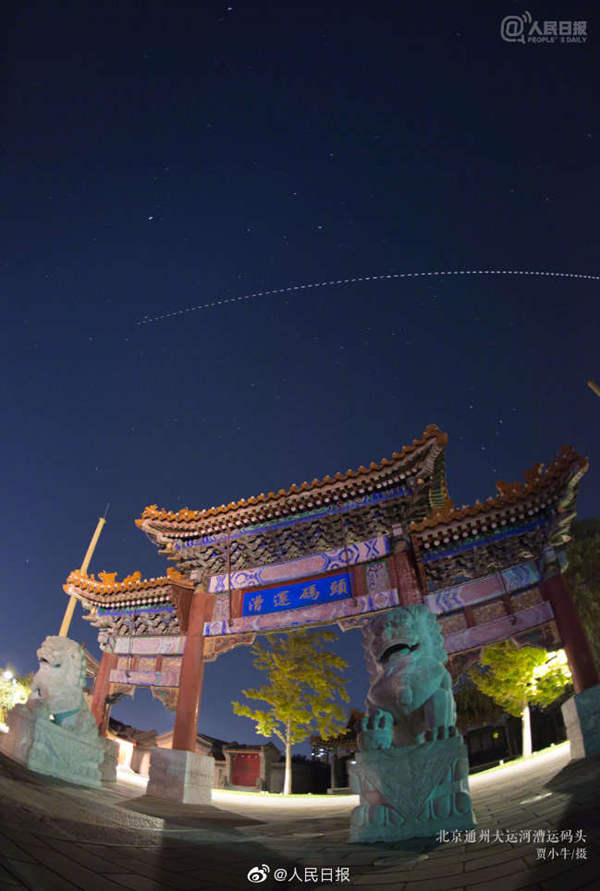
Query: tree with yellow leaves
[13,690]
[517,677]
[304,684]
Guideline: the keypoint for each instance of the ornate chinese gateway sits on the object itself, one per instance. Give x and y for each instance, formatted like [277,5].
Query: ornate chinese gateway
[341,550]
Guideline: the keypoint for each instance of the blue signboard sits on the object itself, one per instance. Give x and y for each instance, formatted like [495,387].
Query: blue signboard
[299,594]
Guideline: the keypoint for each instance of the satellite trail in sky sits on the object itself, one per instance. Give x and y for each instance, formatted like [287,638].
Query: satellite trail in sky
[361,278]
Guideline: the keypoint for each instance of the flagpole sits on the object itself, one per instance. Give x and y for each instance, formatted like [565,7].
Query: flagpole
[66,622]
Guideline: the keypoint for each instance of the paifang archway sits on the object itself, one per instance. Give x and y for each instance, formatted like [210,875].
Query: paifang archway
[339,550]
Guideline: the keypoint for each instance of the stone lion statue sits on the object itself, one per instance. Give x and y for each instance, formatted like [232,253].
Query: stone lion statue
[57,687]
[410,698]
[54,732]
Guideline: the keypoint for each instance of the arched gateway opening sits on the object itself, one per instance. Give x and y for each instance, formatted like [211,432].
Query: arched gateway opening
[342,550]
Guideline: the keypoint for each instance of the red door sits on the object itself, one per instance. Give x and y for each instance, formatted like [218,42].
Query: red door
[245,769]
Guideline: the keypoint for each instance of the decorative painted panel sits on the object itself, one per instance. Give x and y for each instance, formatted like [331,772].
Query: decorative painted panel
[149,645]
[525,599]
[487,612]
[378,577]
[323,613]
[458,596]
[521,576]
[168,678]
[221,608]
[456,622]
[500,629]
[338,558]
[297,595]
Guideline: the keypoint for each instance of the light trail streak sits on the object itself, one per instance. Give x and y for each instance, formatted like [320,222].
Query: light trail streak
[305,286]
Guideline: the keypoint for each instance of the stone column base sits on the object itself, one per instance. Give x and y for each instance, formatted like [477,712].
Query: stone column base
[581,715]
[411,791]
[108,768]
[185,777]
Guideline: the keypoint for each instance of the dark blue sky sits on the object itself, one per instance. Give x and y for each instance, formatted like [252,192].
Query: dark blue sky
[172,157]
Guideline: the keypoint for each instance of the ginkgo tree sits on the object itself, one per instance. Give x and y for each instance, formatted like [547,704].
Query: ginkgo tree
[302,693]
[517,677]
[13,690]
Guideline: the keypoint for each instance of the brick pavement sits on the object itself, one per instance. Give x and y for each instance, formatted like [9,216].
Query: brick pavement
[55,837]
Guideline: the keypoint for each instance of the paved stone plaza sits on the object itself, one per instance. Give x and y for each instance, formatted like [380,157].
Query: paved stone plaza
[54,837]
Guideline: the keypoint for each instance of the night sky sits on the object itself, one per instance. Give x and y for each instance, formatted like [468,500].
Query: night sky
[160,160]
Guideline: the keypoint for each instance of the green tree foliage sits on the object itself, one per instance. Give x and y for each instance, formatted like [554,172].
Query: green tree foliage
[304,683]
[473,707]
[517,677]
[582,578]
[509,674]
[12,691]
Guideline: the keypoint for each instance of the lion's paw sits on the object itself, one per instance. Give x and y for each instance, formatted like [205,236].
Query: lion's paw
[377,730]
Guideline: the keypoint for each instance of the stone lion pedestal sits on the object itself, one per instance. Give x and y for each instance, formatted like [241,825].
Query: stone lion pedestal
[411,770]
[41,745]
[54,733]
[411,792]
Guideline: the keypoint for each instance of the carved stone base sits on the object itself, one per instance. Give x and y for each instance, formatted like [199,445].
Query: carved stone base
[185,777]
[47,748]
[411,791]
[581,714]
[108,768]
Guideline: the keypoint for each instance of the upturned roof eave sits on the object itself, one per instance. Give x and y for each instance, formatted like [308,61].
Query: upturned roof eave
[155,521]
[559,481]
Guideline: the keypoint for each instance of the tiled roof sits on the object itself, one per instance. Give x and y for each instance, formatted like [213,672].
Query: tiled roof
[130,591]
[251,509]
[567,469]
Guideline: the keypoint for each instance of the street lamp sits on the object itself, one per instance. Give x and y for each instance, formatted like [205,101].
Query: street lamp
[594,386]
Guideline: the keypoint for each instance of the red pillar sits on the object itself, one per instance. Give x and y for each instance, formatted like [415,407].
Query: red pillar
[192,674]
[101,687]
[359,581]
[403,578]
[572,633]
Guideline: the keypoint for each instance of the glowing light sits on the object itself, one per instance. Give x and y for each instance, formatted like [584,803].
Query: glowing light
[362,278]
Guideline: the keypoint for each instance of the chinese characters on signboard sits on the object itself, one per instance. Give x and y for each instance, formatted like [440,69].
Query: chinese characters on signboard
[299,594]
